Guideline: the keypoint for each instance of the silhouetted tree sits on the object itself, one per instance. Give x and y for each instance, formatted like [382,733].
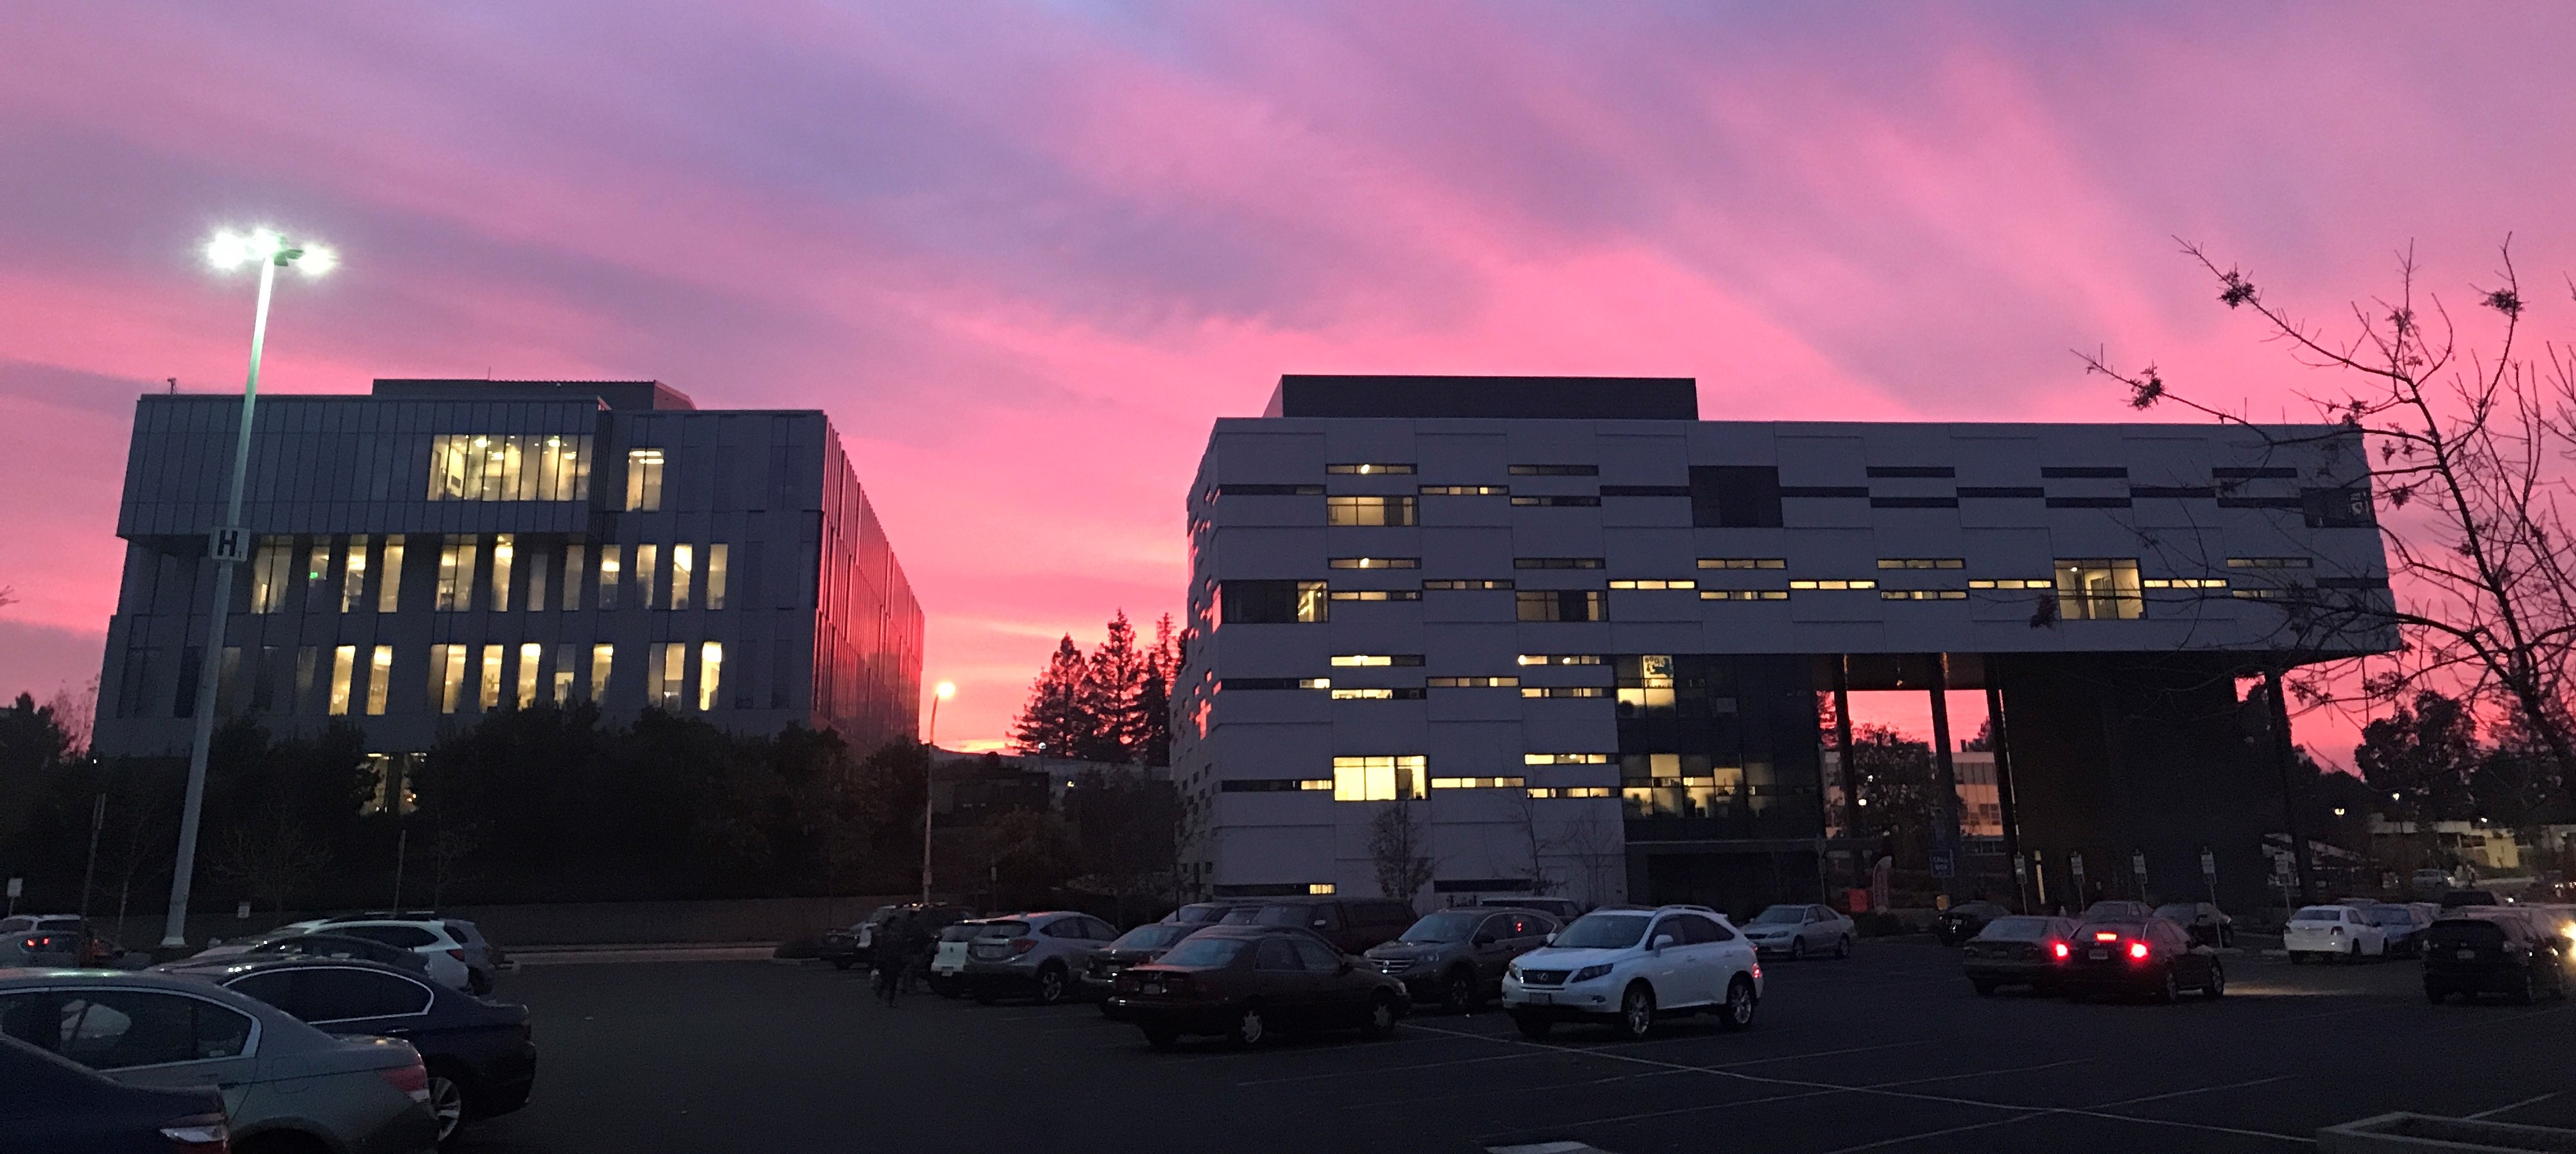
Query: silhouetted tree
[1056,722]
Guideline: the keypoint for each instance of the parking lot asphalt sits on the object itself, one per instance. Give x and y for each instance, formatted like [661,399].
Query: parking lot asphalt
[1890,1050]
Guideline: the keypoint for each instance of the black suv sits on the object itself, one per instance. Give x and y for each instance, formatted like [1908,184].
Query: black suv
[2493,954]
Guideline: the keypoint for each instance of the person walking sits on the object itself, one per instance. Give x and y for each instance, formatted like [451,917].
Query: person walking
[893,960]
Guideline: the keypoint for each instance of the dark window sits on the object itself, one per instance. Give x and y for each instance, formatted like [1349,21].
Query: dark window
[334,994]
[1559,502]
[1274,784]
[119,1029]
[1558,604]
[276,987]
[2084,472]
[1556,562]
[2001,491]
[2340,508]
[401,937]
[1454,583]
[1244,683]
[2175,492]
[1844,491]
[1270,490]
[1735,496]
[1317,957]
[1556,470]
[1645,490]
[1912,471]
[1273,602]
[1327,917]
[1276,954]
[2352,583]
[2272,474]
[2262,502]
[1914,502]
[2088,502]
[1063,928]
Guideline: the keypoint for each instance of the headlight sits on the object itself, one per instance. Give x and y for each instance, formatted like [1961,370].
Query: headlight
[1512,972]
[1588,973]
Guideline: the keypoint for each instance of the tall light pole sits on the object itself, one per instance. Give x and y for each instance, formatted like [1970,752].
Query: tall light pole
[228,543]
[930,751]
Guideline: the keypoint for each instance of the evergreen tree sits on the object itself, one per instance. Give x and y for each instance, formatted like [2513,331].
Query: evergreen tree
[1112,683]
[1154,697]
[1056,721]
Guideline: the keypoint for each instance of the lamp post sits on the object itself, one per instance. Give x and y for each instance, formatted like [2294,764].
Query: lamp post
[228,543]
[930,750]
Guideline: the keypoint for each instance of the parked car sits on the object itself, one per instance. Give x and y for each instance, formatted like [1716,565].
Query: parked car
[1250,982]
[1801,930]
[1207,913]
[1456,957]
[2472,955]
[2206,923]
[1350,925]
[1100,967]
[54,947]
[2116,910]
[52,1104]
[2018,951]
[1630,965]
[438,944]
[277,1075]
[1562,909]
[2155,957]
[2454,899]
[35,923]
[1032,953]
[2400,928]
[948,956]
[2430,880]
[856,946]
[481,1056]
[1965,920]
[328,945]
[2324,932]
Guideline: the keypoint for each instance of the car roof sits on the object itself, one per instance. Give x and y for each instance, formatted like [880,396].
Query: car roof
[227,966]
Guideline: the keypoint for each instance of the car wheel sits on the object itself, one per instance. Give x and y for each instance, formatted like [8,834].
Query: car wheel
[1251,1027]
[1737,1013]
[2170,991]
[1160,1037]
[1051,985]
[1637,1012]
[1797,949]
[1380,1021]
[1842,949]
[1533,1027]
[446,1101]
[1458,993]
[2217,987]
[1984,986]
[2352,953]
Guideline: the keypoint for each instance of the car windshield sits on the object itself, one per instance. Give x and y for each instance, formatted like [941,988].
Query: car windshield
[1199,913]
[1152,937]
[2319,914]
[2392,916]
[1003,930]
[961,932]
[1445,926]
[1268,916]
[1206,953]
[1604,931]
[2015,930]
[1780,915]
[2179,911]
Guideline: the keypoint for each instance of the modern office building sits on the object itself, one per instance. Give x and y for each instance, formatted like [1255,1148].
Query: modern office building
[1601,647]
[436,550]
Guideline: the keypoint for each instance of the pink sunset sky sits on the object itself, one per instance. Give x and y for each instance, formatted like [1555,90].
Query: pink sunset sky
[1023,255]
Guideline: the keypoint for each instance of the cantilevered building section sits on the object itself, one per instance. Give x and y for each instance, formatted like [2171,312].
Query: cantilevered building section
[1606,649]
[441,549]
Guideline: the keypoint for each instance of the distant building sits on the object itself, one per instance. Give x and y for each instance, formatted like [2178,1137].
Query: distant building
[440,549]
[1574,625]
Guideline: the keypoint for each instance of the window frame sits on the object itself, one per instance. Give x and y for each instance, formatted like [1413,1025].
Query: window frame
[250,1042]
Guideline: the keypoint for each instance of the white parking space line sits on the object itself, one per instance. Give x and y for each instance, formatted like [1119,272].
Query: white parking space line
[1371,1071]
[1941,1133]
[2511,1106]
[2196,1090]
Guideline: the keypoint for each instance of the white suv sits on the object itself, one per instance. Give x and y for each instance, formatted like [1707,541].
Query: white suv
[1628,965]
[1032,953]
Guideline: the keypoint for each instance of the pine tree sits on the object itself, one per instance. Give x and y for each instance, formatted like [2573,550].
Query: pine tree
[1111,685]
[1154,697]
[1056,722]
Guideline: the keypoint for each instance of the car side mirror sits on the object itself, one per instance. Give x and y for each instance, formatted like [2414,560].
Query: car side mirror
[1662,940]
[1483,940]
[1548,940]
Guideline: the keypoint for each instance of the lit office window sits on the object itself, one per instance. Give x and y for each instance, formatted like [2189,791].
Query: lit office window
[611,574]
[344,666]
[1558,604]
[563,674]
[1544,791]
[643,480]
[538,563]
[1374,563]
[573,576]
[488,691]
[1560,659]
[716,576]
[1650,583]
[684,563]
[353,575]
[505,549]
[380,679]
[389,576]
[1274,602]
[530,653]
[534,467]
[317,572]
[1367,660]
[1370,469]
[1646,685]
[602,659]
[269,566]
[2098,589]
[1477,782]
[1472,682]
[710,673]
[1379,778]
[456,574]
[1921,563]
[446,677]
[1565,759]
[648,558]
[1368,510]
[1832,583]
[666,674]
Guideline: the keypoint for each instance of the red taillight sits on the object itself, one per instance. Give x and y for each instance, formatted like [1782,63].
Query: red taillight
[199,1134]
[412,1079]
[459,955]
[1023,945]
[2058,948]
[2106,935]
[2137,951]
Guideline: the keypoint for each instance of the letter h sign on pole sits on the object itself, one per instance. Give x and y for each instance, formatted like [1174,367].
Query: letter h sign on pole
[228,545]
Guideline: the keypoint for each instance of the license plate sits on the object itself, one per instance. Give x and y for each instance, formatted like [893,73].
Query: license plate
[2099,955]
[1542,999]
[2467,955]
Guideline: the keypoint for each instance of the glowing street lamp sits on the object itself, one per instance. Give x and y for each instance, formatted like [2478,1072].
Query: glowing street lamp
[929,751]
[228,543]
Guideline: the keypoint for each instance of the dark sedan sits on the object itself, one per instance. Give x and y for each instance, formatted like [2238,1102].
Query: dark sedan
[2493,954]
[53,1104]
[341,946]
[2018,951]
[2155,957]
[1100,968]
[481,1054]
[1250,982]
[1965,920]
